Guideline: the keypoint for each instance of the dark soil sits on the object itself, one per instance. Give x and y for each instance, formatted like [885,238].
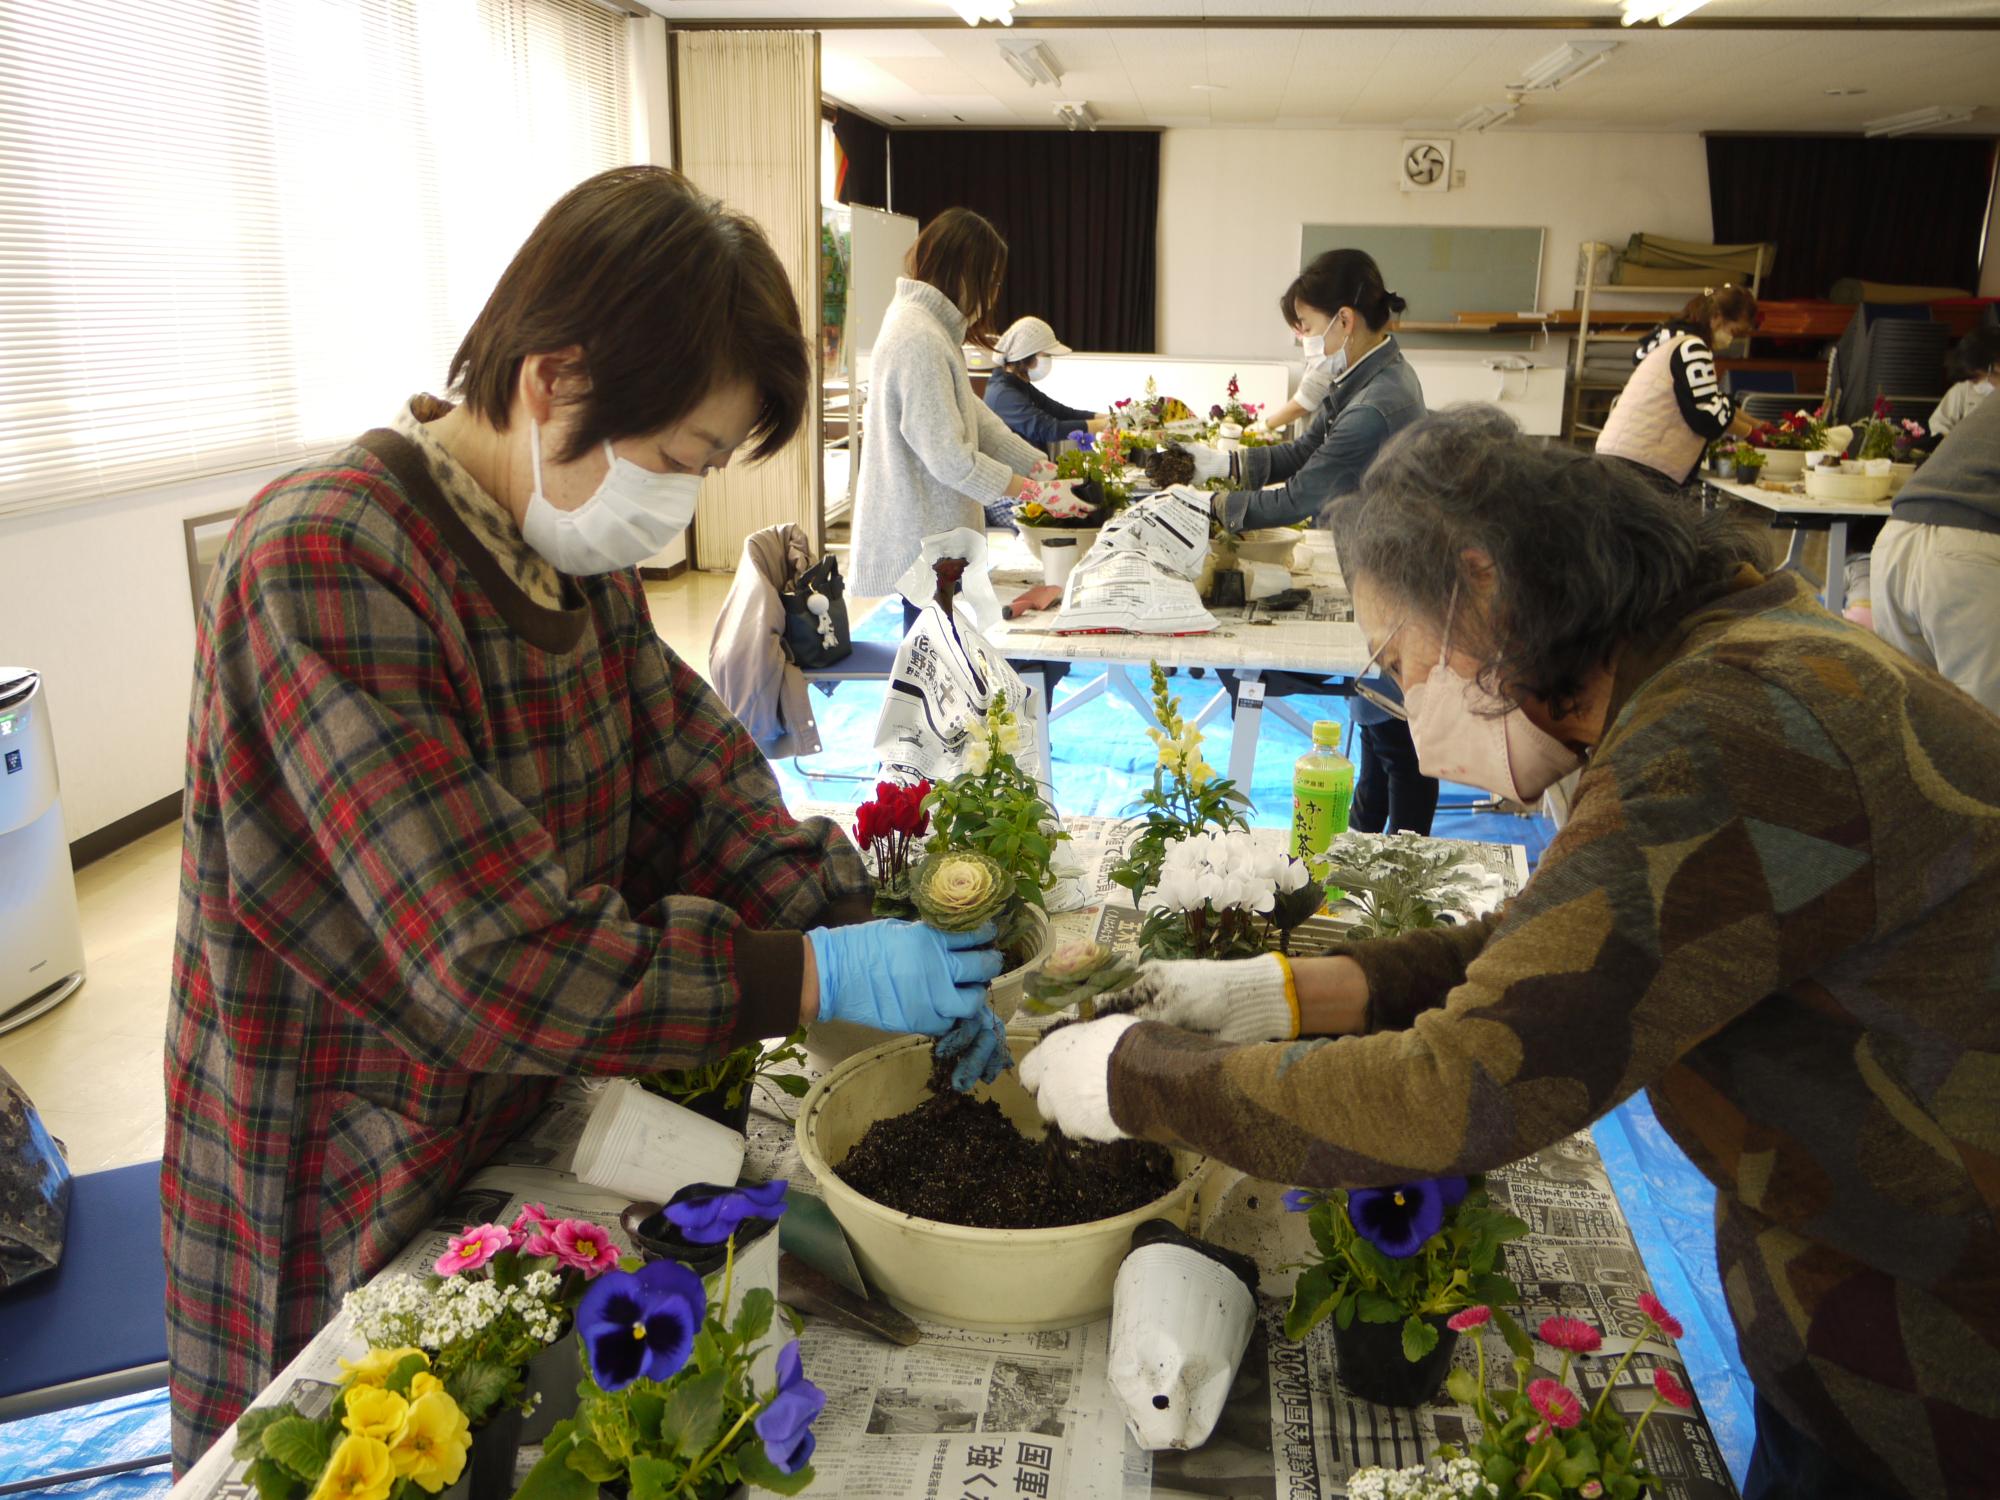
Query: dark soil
[1170,466]
[961,1161]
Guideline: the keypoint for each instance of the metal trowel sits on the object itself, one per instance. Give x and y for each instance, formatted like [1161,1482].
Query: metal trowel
[817,1273]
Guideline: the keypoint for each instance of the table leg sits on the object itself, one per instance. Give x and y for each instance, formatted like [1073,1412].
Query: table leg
[1122,686]
[1836,567]
[1036,681]
[1243,741]
[1088,693]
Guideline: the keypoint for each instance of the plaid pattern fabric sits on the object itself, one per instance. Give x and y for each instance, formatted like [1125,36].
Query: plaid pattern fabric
[1777,906]
[441,847]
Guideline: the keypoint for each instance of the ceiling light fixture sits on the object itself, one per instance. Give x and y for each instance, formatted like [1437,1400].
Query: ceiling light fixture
[1927,118]
[1666,12]
[1844,93]
[975,11]
[1486,117]
[1566,64]
[1033,61]
[1209,88]
[1076,114]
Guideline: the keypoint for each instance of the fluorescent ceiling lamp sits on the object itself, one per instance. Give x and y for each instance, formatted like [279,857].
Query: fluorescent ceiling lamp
[1486,117]
[1666,12]
[1033,61]
[1911,121]
[1566,64]
[975,11]
[1077,114]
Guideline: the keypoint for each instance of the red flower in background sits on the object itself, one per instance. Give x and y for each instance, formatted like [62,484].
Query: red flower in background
[1881,408]
[1571,1335]
[1656,1311]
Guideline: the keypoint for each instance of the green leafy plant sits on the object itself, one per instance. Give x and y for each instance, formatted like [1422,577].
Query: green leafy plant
[732,1076]
[1186,796]
[1396,884]
[1749,462]
[1077,974]
[1411,1253]
[995,808]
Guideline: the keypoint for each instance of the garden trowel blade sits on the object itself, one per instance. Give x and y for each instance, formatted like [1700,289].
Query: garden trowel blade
[810,1231]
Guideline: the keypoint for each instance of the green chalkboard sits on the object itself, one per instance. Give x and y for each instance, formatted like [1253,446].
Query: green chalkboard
[1442,271]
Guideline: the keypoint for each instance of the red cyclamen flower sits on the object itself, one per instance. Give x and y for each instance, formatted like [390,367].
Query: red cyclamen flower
[1671,1390]
[1571,1335]
[1656,1310]
[1469,1319]
[1557,1403]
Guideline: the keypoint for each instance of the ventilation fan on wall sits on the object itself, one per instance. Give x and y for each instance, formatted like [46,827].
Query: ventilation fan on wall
[1427,166]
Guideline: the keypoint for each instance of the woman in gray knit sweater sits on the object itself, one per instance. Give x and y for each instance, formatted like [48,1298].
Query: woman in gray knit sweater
[933,456]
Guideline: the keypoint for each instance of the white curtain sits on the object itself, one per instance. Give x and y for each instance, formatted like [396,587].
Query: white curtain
[748,104]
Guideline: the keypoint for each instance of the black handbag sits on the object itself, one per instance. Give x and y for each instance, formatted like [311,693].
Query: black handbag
[816,633]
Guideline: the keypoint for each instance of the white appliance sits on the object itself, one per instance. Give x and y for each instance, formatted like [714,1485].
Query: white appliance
[41,938]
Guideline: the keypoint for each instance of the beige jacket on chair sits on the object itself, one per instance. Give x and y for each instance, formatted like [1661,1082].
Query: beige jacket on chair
[748,665]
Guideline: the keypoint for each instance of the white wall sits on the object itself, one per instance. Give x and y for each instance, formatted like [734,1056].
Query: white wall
[1232,202]
[96,598]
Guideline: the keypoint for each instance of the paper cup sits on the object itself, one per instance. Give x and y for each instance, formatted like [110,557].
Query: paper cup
[647,1147]
[1181,1317]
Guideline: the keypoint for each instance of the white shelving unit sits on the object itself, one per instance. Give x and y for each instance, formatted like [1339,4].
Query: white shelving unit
[1588,288]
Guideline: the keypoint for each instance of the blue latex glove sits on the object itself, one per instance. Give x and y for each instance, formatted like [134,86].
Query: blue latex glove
[979,1042]
[903,976]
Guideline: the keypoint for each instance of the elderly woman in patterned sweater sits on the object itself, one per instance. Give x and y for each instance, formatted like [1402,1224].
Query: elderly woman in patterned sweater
[1776,905]
[458,824]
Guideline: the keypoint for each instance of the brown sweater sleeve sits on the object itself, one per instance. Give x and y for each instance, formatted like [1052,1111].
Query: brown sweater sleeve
[1410,974]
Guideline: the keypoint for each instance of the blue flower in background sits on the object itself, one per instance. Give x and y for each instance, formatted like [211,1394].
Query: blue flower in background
[1397,1220]
[1082,439]
[636,1323]
[786,1424]
[1301,1201]
[710,1215]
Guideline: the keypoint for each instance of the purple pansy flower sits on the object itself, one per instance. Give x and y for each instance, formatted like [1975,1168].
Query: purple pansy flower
[1397,1220]
[709,1215]
[635,1323]
[786,1424]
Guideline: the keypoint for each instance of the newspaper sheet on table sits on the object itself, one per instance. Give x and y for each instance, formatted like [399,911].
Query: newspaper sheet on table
[940,688]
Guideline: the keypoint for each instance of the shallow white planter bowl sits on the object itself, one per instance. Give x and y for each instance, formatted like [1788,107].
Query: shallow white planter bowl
[993,1279]
[1783,463]
[1847,489]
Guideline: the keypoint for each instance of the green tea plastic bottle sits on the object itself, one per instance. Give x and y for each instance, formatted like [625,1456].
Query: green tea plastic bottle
[1322,791]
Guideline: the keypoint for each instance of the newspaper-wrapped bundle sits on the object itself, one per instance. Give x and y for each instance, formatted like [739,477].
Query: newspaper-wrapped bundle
[1139,578]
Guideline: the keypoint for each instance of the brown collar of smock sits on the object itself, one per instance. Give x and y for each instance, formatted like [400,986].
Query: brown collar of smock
[553,630]
[1639,661]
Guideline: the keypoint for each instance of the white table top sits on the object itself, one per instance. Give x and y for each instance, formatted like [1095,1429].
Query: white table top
[1798,502]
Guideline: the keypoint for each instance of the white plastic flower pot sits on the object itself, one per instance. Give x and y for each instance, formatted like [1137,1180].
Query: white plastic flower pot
[1274,544]
[1180,1322]
[1848,489]
[993,1279]
[1900,475]
[1008,988]
[644,1146]
[1783,463]
[1060,554]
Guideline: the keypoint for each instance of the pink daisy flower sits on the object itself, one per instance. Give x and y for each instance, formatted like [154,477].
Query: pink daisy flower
[471,1250]
[1469,1319]
[1557,1403]
[1671,1390]
[582,1244]
[1665,1321]
[1571,1335]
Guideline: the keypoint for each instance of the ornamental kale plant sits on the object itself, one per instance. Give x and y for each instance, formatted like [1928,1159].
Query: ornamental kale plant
[1537,1439]
[670,1407]
[995,808]
[1403,1254]
[1187,796]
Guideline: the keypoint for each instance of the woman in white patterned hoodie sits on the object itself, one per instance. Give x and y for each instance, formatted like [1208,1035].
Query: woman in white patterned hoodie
[1674,406]
[933,457]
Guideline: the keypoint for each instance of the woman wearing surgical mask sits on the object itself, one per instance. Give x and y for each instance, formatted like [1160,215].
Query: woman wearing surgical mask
[457,824]
[1028,351]
[1978,355]
[1775,905]
[1673,406]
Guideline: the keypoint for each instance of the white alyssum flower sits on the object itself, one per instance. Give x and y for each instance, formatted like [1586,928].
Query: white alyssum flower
[1225,870]
[404,1310]
[1441,1479]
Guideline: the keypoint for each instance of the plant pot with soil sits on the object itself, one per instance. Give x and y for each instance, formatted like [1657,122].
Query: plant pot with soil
[722,1090]
[1369,1362]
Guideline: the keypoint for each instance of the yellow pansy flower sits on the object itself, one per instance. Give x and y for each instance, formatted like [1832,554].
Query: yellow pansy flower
[435,1439]
[358,1470]
[377,1365]
[377,1413]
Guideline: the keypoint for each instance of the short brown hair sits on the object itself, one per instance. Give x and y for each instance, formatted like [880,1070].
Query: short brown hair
[963,256]
[1723,304]
[668,294]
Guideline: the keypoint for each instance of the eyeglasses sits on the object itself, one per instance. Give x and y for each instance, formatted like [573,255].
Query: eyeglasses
[1374,696]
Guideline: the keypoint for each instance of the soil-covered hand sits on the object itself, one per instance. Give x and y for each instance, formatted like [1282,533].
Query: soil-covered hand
[977,1049]
[903,976]
[1235,1000]
[1069,1074]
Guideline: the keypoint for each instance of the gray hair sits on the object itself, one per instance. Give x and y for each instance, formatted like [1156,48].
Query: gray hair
[1586,554]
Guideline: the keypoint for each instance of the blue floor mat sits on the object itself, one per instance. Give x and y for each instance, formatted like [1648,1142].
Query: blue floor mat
[1102,761]
[88,1437]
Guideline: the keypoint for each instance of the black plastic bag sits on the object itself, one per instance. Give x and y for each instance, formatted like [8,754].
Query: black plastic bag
[34,1189]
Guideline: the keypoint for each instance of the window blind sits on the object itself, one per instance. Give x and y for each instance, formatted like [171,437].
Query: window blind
[237,232]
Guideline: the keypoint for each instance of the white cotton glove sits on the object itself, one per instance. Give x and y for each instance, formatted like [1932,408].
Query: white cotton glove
[1069,1073]
[1236,1000]
[1209,463]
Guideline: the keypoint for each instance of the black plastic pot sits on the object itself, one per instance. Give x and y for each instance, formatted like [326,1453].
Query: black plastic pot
[1368,1359]
[656,1237]
[489,1466]
[555,1373]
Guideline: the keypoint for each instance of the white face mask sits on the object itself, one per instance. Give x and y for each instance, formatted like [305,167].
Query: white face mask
[1466,734]
[1039,369]
[1314,345]
[1982,388]
[627,519]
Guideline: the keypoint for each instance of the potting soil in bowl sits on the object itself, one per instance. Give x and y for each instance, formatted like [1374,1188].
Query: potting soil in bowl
[960,1160]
